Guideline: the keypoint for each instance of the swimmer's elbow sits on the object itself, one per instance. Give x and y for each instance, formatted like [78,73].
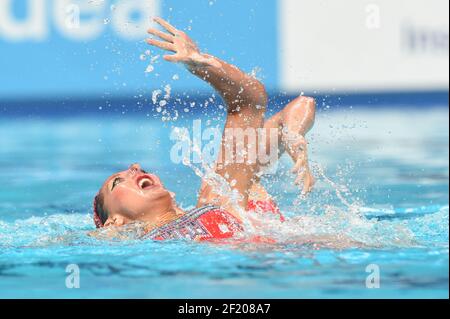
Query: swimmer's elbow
[261,98]
[248,98]
[256,97]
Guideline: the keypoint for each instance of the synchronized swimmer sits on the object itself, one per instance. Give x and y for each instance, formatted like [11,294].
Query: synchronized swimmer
[136,195]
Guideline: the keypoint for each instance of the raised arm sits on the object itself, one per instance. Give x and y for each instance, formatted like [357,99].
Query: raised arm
[240,91]
[246,101]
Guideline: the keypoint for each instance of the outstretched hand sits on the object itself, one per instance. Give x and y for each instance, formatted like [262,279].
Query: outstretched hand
[184,48]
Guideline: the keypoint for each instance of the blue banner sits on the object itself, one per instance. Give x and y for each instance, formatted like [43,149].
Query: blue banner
[88,48]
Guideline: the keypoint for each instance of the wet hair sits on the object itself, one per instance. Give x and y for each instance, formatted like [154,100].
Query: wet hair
[100,213]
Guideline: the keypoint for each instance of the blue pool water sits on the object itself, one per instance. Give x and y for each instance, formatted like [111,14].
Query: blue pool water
[381,198]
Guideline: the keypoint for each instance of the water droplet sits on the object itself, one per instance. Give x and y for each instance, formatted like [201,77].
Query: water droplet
[154,59]
[168,91]
[155,95]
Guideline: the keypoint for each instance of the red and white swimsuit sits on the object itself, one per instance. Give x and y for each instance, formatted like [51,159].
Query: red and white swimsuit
[208,223]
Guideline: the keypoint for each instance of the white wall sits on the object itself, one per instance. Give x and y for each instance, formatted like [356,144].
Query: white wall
[366,45]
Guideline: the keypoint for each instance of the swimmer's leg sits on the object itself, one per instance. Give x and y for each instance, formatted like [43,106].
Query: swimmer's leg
[293,122]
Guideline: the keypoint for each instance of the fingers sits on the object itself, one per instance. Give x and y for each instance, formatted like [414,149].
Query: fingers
[301,168]
[301,177]
[166,25]
[162,35]
[301,144]
[162,45]
[172,58]
[301,141]
[308,181]
[304,175]
[297,166]
[301,162]
[308,184]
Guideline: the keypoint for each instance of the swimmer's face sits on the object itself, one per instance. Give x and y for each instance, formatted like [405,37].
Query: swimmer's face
[134,195]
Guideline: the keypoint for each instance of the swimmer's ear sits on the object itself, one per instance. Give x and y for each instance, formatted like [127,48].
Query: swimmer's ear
[109,222]
[115,221]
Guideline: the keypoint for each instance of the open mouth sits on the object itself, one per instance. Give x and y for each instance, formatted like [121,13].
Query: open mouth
[145,182]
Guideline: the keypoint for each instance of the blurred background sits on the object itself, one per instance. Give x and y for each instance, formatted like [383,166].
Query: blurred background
[63,51]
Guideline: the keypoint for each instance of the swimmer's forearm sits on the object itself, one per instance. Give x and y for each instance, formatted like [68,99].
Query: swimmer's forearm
[237,88]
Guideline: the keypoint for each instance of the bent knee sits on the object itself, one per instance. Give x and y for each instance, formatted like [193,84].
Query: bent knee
[300,105]
[307,101]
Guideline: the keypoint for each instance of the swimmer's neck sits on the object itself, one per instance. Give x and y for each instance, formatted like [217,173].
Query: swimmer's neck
[165,218]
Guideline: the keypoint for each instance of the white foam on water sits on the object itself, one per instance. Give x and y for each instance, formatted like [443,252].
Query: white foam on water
[333,227]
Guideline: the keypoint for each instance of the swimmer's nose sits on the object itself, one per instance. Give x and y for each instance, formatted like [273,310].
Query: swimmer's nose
[135,168]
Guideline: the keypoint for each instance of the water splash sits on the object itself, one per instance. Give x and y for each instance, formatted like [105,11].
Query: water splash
[207,174]
[155,96]
[332,226]
[338,219]
[150,68]
[335,228]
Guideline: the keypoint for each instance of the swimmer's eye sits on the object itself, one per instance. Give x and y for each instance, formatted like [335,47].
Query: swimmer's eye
[116,181]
